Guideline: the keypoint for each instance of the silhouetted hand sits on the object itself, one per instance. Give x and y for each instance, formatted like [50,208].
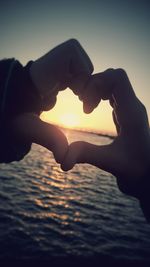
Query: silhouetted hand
[128,157]
[29,128]
[66,65]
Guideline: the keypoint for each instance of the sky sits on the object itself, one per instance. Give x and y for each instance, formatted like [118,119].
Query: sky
[113,33]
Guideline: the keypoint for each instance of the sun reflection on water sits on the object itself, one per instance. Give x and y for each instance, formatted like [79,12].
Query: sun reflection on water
[56,197]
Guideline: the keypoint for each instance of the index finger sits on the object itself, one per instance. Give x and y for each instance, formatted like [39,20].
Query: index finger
[114,85]
[131,113]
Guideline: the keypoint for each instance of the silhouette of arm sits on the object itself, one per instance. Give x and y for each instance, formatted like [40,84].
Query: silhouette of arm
[20,106]
[128,157]
[33,89]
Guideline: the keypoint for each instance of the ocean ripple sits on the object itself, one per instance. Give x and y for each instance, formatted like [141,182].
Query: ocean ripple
[45,212]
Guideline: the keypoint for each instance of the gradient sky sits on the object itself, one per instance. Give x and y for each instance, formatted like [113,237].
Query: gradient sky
[114,34]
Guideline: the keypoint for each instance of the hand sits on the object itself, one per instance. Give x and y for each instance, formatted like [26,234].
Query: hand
[128,156]
[29,127]
[66,65]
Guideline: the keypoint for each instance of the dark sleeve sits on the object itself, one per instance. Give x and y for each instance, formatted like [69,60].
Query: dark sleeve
[18,95]
[10,149]
[22,95]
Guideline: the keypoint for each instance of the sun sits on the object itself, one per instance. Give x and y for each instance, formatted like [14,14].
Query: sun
[69,120]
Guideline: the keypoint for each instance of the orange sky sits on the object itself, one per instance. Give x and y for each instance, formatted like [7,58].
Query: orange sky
[68,112]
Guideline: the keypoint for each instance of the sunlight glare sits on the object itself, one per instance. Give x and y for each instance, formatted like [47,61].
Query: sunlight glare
[69,120]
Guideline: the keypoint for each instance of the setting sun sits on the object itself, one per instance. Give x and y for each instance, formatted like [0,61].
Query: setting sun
[68,112]
[69,120]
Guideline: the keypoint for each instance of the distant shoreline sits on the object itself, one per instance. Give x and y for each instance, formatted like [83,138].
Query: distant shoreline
[90,132]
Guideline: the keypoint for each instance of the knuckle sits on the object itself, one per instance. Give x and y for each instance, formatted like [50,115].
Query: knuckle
[109,70]
[73,42]
[120,74]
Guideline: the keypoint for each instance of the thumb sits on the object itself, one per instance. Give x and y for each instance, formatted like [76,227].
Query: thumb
[83,152]
[29,127]
[74,155]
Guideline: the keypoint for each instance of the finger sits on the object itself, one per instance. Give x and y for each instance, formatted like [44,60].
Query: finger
[78,82]
[83,152]
[111,84]
[130,112]
[96,89]
[115,84]
[74,155]
[48,102]
[29,127]
[60,65]
[81,60]
[91,96]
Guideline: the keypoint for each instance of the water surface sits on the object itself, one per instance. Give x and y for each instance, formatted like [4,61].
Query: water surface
[45,212]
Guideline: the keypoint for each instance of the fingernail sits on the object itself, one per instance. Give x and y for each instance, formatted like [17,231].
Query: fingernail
[67,167]
[87,109]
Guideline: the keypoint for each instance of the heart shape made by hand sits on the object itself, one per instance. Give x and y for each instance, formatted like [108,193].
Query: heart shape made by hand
[127,157]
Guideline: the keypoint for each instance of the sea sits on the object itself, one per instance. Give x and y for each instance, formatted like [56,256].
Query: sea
[48,215]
